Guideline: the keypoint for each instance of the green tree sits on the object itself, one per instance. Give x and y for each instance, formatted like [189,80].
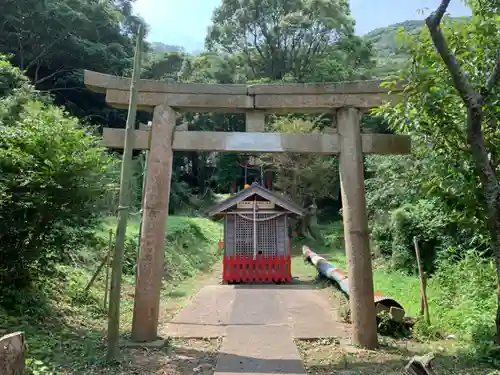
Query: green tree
[164,66]
[306,178]
[454,76]
[53,40]
[349,59]
[52,37]
[54,182]
[281,37]
[204,169]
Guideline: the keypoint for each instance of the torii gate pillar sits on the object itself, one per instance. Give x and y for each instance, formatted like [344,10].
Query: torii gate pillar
[151,254]
[356,235]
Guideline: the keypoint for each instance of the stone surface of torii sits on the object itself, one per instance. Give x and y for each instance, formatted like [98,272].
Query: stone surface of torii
[164,99]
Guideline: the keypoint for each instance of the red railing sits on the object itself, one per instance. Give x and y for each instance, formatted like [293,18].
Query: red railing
[262,269]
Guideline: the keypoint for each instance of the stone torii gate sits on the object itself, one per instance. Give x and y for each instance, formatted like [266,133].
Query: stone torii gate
[348,99]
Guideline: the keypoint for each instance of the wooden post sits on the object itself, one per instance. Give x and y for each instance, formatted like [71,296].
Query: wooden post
[123,207]
[151,253]
[144,173]
[106,279]
[363,316]
[12,354]
[423,292]
[96,273]
[422,303]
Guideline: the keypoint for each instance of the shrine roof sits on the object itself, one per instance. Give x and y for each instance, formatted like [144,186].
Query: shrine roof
[256,189]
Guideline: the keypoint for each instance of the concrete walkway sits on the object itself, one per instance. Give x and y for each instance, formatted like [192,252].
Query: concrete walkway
[258,351]
[258,324]
[215,308]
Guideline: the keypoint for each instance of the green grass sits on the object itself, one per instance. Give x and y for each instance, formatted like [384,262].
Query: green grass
[65,327]
[403,288]
[461,296]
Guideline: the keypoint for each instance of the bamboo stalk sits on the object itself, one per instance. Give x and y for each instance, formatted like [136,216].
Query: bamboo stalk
[145,170]
[123,208]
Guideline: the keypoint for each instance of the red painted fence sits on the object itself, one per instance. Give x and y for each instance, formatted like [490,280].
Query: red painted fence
[262,269]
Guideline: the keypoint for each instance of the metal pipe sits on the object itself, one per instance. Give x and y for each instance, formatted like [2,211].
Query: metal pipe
[332,272]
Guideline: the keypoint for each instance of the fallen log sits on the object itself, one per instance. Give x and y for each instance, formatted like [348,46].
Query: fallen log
[12,354]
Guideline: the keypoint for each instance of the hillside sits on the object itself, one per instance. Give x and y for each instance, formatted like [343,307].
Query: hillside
[384,41]
[390,57]
[158,47]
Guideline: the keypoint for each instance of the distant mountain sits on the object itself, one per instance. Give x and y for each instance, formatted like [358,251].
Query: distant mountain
[390,58]
[158,47]
[383,39]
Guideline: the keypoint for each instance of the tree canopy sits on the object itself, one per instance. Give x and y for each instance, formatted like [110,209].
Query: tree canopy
[279,38]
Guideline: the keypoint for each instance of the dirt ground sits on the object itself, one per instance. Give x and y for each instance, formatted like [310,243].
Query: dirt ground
[337,357]
[179,357]
[327,356]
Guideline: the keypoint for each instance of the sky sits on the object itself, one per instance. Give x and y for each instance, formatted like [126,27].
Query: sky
[185,22]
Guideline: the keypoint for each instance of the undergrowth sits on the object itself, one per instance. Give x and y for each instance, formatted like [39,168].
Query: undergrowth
[65,327]
[461,296]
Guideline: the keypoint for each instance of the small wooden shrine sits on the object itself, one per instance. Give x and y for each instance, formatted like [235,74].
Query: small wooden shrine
[256,241]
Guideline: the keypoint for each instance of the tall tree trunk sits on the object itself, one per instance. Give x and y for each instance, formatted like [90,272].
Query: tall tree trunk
[474,101]
[496,250]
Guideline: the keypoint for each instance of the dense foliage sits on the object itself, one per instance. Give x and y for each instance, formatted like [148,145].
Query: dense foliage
[440,176]
[53,40]
[447,197]
[54,181]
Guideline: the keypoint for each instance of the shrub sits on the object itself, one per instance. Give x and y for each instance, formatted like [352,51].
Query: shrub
[429,194]
[464,295]
[191,245]
[424,221]
[54,178]
[393,234]
[15,91]
[11,78]
[333,235]
[381,234]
